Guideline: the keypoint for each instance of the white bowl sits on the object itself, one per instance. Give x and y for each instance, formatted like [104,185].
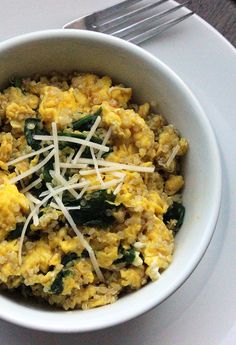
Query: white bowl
[153,81]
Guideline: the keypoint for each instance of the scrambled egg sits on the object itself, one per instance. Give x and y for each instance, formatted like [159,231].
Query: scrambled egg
[13,207]
[139,245]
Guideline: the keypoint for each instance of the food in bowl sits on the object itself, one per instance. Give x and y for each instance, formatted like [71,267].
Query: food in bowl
[90,194]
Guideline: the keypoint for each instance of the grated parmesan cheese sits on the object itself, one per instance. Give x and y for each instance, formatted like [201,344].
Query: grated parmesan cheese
[73,140]
[69,158]
[119,174]
[105,140]
[56,148]
[83,191]
[93,171]
[35,215]
[68,187]
[52,204]
[32,198]
[31,185]
[73,208]
[118,188]
[33,169]
[31,154]
[172,156]
[89,136]
[99,177]
[105,184]
[118,166]
[63,182]
[122,177]
[21,182]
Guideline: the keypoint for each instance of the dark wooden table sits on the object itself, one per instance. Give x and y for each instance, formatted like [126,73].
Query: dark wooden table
[221,14]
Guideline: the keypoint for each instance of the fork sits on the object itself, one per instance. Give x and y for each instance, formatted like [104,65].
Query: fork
[132,20]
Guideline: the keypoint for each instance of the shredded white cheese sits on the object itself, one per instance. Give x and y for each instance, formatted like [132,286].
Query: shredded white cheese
[31,154]
[93,171]
[64,183]
[89,136]
[83,191]
[33,169]
[68,187]
[46,192]
[56,151]
[118,188]
[73,140]
[32,198]
[21,182]
[122,177]
[52,204]
[105,184]
[35,215]
[99,177]
[105,140]
[173,154]
[69,158]
[119,174]
[31,185]
[73,208]
[118,166]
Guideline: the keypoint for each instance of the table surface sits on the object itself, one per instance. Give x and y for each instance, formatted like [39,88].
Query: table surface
[221,14]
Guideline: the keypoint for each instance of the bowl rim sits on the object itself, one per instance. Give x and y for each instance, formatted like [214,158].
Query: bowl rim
[173,77]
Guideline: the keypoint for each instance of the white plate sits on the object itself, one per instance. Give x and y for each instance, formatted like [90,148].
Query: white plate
[203,310]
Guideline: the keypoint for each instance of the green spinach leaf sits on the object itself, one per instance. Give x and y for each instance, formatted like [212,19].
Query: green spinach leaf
[175,211]
[25,290]
[46,170]
[84,254]
[86,122]
[68,258]
[37,190]
[57,285]
[15,233]
[96,209]
[16,82]
[128,256]
[32,127]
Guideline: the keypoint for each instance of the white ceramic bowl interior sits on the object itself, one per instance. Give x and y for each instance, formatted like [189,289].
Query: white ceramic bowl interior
[151,80]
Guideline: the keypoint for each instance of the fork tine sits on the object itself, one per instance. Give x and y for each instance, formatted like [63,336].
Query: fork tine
[139,38]
[89,22]
[113,9]
[146,22]
[129,15]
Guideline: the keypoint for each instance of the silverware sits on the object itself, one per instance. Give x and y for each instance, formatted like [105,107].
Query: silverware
[132,20]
